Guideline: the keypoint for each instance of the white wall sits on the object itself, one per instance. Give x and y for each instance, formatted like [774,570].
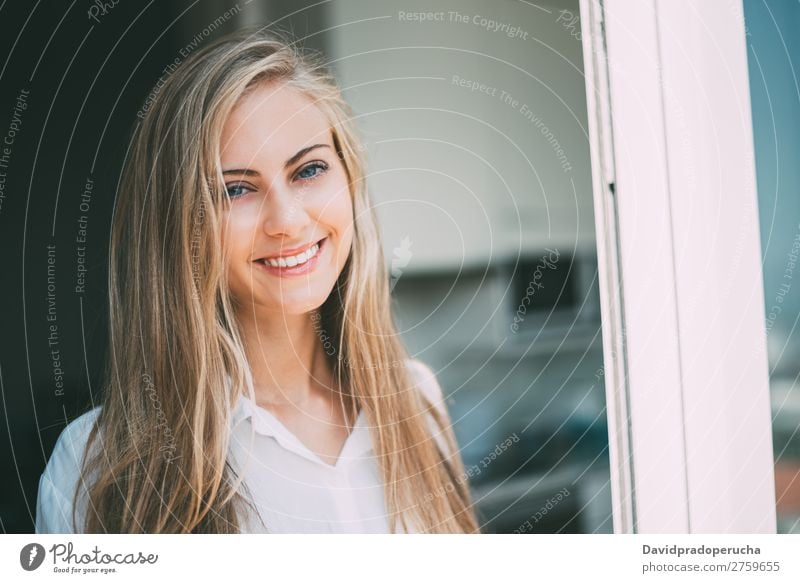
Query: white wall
[467,177]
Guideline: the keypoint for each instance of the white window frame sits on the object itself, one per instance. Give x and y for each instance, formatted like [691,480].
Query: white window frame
[679,252]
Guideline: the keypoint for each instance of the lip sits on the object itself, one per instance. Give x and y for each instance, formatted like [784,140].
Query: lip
[294,250]
[297,270]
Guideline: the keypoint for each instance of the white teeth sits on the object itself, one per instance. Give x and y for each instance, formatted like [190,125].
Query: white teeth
[294,260]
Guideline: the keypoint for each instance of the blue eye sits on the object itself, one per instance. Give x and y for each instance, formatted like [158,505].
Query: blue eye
[236,190]
[311,170]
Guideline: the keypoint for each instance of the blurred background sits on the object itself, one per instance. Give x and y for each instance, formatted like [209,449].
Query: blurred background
[473,115]
[773,51]
[474,120]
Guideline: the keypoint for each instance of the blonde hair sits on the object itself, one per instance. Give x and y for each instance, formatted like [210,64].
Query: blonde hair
[163,431]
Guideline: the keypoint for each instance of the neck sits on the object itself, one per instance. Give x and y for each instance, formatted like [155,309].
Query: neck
[286,358]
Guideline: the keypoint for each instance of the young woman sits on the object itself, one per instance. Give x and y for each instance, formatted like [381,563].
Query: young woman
[255,382]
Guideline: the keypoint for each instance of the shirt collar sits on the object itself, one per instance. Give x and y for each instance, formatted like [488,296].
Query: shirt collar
[358,443]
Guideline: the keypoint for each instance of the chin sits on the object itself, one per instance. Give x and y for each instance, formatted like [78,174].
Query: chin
[299,308]
[295,302]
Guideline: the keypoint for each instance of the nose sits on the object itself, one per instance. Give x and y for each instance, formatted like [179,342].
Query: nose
[283,214]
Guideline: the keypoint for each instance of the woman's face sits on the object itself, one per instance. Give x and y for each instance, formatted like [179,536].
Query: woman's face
[289,227]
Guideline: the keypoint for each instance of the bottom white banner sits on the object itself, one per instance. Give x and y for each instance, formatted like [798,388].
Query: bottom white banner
[416,558]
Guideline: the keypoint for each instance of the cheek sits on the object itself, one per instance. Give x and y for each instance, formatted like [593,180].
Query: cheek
[341,219]
[237,234]
[340,206]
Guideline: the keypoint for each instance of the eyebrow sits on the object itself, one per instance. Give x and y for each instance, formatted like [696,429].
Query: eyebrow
[289,162]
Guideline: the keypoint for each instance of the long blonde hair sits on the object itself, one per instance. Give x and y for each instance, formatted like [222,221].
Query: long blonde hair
[162,435]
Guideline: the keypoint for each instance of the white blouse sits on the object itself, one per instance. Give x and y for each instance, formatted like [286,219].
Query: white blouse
[292,489]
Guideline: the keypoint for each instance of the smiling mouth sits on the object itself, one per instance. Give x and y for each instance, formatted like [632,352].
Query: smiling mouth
[294,261]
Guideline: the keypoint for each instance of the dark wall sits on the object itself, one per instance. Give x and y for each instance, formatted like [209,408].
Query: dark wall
[71,85]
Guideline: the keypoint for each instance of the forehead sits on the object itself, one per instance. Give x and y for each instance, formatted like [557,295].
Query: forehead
[273,119]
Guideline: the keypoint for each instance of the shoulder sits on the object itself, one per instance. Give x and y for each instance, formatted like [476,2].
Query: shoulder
[425,380]
[68,451]
[62,475]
